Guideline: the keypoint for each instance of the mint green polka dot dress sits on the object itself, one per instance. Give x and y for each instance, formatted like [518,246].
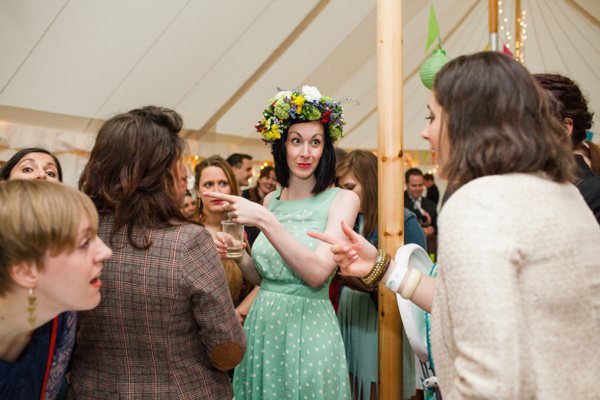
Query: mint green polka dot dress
[295,349]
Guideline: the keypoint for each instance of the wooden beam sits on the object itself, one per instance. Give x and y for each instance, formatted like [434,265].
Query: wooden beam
[287,42]
[390,174]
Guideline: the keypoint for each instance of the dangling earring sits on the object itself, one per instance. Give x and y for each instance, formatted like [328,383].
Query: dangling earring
[31,307]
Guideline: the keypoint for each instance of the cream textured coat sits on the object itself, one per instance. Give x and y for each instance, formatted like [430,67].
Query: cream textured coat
[516,313]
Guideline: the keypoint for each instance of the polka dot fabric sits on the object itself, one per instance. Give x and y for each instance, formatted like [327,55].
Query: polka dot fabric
[295,350]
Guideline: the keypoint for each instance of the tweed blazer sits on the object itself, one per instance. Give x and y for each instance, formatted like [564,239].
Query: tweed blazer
[165,327]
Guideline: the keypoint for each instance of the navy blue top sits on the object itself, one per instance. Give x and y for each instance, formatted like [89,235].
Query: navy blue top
[23,378]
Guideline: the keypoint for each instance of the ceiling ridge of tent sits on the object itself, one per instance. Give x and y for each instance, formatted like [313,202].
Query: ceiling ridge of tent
[140,59]
[569,16]
[583,12]
[533,15]
[195,85]
[260,71]
[573,46]
[33,48]
[552,37]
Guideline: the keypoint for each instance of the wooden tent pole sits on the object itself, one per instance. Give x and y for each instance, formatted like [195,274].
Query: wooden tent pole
[493,11]
[518,30]
[390,179]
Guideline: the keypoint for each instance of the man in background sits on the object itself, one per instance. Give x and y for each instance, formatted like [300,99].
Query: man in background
[415,202]
[242,167]
[433,194]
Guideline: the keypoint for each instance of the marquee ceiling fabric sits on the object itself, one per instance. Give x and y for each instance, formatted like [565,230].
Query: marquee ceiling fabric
[69,65]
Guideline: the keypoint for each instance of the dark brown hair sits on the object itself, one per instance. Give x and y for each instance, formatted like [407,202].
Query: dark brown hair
[498,121]
[567,101]
[131,170]
[215,161]
[363,165]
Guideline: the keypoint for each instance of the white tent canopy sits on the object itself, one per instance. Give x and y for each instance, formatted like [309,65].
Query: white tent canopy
[68,65]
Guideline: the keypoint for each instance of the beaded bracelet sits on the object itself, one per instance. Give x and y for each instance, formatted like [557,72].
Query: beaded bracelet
[381,264]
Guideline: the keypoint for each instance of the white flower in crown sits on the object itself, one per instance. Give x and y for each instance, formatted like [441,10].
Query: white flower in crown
[311,93]
[283,94]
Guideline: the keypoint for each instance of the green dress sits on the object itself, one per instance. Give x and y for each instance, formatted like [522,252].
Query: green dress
[295,349]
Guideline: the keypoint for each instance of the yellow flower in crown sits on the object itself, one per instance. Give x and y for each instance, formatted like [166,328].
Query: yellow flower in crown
[274,133]
[290,107]
[299,101]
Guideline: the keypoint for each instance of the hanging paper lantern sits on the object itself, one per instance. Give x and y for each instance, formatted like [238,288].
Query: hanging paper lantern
[432,65]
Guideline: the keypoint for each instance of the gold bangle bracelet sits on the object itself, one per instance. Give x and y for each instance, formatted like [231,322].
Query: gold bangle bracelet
[378,269]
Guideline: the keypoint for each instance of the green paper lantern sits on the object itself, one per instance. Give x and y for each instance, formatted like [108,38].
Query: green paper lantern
[431,67]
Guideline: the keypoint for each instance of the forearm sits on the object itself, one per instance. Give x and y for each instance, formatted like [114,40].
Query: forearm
[246,264]
[305,262]
[424,293]
[244,306]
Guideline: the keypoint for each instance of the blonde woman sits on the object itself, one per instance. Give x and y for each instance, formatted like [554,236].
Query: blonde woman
[50,264]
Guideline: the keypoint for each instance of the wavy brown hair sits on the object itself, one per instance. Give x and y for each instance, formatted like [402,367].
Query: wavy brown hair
[131,171]
[363,165]
[498,121]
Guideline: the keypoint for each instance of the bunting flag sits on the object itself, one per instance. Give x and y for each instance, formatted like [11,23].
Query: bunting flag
[433,31]
[507,51]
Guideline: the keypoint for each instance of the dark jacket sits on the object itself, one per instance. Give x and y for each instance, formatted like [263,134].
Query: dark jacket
[426,205]
[589,186]
[433,194]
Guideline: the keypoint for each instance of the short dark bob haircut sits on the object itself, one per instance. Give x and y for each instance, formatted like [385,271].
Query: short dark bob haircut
[498,122]
[14,160]
[325,172]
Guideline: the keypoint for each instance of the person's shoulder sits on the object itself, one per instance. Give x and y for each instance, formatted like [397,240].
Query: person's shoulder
[345,196]
[268,197]
[408,214]
[187,234]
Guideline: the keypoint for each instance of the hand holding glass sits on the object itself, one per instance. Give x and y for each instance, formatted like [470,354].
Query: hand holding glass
[234,238]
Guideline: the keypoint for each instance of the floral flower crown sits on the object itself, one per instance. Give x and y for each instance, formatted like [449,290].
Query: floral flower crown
[290,107]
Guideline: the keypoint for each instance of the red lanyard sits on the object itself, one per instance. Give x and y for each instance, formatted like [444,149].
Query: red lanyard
[50,355]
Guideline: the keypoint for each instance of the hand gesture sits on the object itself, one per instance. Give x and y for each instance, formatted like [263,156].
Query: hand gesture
[240,210]
[355,256]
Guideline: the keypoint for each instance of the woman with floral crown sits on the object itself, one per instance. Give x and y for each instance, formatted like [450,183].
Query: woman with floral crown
[295,349]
